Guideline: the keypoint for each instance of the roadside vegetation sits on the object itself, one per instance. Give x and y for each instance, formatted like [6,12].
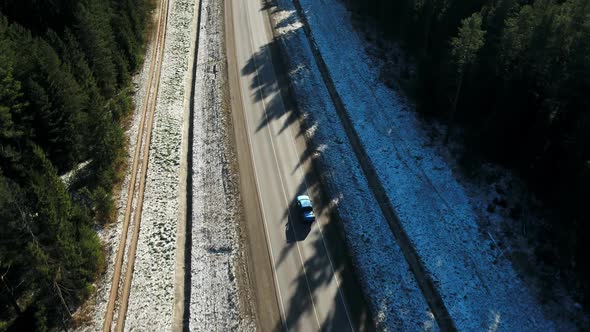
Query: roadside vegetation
[65,90]
[512,81]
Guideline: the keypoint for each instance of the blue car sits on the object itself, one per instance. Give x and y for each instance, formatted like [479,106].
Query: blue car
[305,208]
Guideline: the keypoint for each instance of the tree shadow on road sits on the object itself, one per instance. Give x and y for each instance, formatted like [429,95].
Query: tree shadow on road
[296,229]
[327,247]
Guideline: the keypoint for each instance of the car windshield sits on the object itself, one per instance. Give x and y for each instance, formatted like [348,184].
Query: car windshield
[307,209]
[305,202]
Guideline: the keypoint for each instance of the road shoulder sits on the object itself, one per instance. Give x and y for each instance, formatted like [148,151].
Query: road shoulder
[258,260]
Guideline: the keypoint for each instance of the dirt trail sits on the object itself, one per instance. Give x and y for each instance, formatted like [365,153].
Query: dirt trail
[141,152]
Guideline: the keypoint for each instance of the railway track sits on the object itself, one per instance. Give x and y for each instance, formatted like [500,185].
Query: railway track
[140,155]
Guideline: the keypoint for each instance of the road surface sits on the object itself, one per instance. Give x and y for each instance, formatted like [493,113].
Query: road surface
[309,271]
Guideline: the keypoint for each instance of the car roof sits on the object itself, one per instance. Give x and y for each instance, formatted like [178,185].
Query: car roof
[304,200]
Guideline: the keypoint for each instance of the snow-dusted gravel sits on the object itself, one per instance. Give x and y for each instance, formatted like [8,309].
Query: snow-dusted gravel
[214,297]
[480,288]
[390,288]
[152,289]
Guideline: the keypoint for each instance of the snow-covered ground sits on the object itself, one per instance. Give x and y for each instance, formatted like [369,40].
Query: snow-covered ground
[477,283]
[394,296]
[214,294]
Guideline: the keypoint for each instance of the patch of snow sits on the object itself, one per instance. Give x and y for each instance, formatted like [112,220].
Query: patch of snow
[70,176]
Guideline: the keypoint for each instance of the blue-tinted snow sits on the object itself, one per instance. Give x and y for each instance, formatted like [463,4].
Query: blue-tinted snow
[480,290]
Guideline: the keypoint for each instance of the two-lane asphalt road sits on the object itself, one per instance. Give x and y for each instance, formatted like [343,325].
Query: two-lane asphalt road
[306,272]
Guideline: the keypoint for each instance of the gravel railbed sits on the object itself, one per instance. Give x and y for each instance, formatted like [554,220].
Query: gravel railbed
[152,289]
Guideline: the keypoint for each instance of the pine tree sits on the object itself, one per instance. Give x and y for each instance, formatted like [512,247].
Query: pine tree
[95,37]
[464,50]
[11,107]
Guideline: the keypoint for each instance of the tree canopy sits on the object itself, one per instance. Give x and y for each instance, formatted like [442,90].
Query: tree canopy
[523,72]
[65,69]
[466,44]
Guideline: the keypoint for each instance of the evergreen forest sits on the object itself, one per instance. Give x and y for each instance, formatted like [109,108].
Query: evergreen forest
[511,78]
[65,91]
